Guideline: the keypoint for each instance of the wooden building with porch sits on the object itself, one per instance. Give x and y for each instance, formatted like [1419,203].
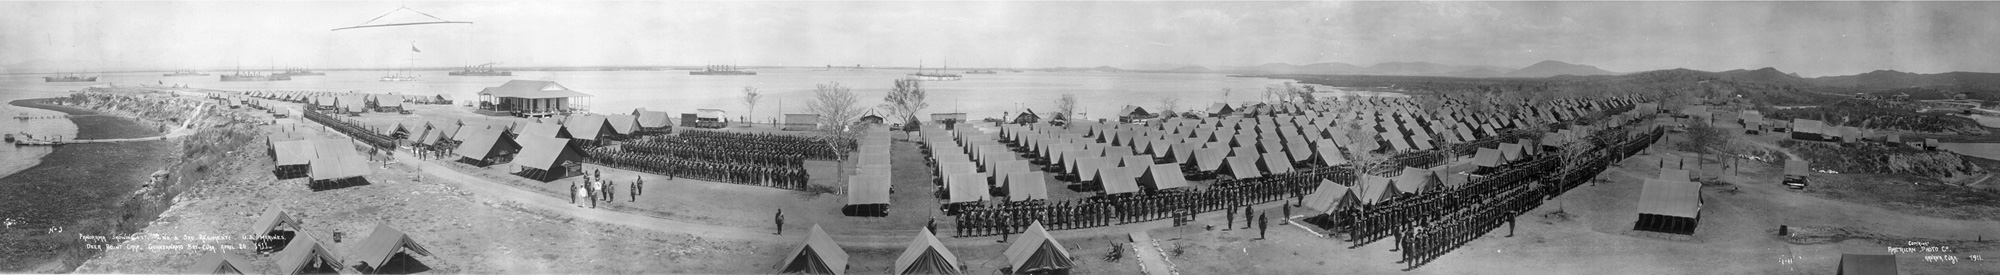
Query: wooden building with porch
[532,98]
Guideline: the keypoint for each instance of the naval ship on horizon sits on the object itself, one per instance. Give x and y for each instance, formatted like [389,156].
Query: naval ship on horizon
[721,70]
[240,76]
[69,77]
[184,73]
[938,75]
[299,72]
[481,70]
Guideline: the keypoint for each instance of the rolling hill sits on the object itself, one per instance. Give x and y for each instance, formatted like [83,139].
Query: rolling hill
[1548,68]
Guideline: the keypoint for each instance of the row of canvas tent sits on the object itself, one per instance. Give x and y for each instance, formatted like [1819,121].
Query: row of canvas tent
[316,97]
[303,253]
[1033,252]
[960,155]
[868,191]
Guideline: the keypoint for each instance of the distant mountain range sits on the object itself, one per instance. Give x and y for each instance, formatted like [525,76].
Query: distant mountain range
[1541,69]
[1548,68]
[1886,79]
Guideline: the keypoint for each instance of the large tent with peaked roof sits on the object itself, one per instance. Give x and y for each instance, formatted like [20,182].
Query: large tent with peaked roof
[548,159]
[217,263]
[1120,180]
[382,245]
[1330,198]
[269,224]
[1867,264]
[482,147]
[926,255]
[867,196]
[1035,252]
[588,128]
[1242,167]
[819,254]
[337,165]
[1163,176]
[1669,207]
[1374,189]
[1023,186]
[306,255]
[653,121]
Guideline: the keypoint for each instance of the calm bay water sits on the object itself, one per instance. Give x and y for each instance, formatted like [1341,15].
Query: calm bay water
[785,91]
[14,87]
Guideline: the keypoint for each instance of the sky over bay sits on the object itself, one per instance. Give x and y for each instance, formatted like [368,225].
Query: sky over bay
[1811,38]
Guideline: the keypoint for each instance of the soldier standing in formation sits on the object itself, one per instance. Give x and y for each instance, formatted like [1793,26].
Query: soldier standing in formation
[638,183]
[1246,216]
[1262,225]
[1230,222]
[608,187]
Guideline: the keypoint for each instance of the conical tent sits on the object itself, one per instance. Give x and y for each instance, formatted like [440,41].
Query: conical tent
[217,263]
[926,255]
[1332,197]
[818,255]
[1243,167]
[302,252]
[273,218]
[382,245]
[1036,251]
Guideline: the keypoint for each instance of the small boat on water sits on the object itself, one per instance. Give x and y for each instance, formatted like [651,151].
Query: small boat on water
[69,77]
[981,72]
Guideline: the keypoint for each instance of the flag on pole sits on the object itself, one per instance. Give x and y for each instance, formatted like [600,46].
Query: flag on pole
[413,48]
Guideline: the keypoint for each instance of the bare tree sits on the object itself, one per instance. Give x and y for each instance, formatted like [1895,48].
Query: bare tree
[750,97]
[1704,138]
[906,100]
[835,105]
[1225,94]
[1363,149]
[1066,106]
[1169,104]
